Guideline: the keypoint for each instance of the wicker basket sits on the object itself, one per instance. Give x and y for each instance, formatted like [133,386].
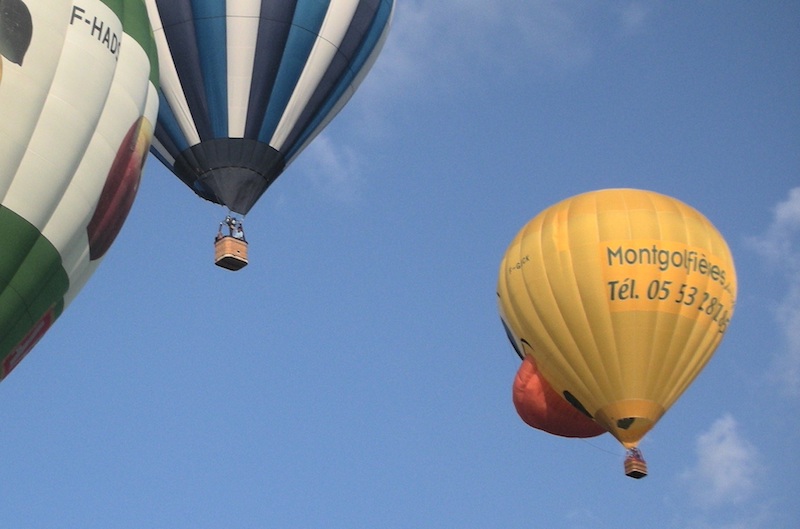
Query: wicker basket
[635,468]
[230,253]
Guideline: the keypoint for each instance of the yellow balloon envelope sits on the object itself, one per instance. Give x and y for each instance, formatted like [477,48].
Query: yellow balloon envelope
[621,296]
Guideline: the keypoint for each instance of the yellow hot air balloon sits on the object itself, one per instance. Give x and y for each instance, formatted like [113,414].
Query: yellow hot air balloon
[621,296]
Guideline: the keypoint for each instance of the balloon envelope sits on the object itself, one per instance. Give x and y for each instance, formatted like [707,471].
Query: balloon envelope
[247,84]
[541,407]
[77,104]
[623,296]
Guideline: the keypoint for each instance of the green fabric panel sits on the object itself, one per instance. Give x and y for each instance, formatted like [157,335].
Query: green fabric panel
[118,6]
[135,22]
[32,280]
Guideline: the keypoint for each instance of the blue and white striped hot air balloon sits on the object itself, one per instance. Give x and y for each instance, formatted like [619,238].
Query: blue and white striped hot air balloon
[247,84]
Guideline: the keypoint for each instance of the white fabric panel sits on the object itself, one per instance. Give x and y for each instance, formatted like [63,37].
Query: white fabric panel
[127,99]
[168,78]
[66,124]
[242,30]
[29,85]
[334,27]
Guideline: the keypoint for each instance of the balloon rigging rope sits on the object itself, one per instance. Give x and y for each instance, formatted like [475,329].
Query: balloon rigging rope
[601,449]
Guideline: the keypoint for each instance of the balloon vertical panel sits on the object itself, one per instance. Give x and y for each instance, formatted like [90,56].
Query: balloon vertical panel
[77,105]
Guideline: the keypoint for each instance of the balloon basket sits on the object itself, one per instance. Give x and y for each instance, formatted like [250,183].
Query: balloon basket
[635,467]
[230,253]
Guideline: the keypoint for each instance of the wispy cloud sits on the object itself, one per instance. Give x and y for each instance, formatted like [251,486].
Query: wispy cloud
[440,42]
[780,246]
[728,467]
[434,47]
[759,517]
[635,15]
[454,34]
[581,518]
[333,170]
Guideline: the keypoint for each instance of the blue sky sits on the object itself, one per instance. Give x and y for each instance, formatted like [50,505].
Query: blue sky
[356,374]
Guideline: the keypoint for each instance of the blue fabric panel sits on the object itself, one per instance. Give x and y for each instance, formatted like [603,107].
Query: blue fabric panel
[167,130]
[369,23]
[310,14]
[273,31]
[210,26]
[278,10]
[377,29]
[308,18]
[176,16]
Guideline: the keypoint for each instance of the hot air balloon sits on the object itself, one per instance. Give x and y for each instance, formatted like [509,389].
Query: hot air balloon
[623,296]
[247,84]
[78,102]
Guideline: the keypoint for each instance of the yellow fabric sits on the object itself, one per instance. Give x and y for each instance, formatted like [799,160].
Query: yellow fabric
[621,296]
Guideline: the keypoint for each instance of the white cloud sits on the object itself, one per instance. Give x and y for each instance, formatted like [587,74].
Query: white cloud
[728,467]
[435,41]
[760,517]
[634,16]
[470,30]
[438,45]
[333,170]
[780,245]
[582,518]
[779,241]
[447,46]
[433,47]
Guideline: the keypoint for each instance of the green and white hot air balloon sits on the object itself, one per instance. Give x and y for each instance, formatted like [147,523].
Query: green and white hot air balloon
[78,103]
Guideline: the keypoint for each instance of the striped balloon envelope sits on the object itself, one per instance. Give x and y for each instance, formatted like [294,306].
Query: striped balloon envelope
[247,84]
[78,104]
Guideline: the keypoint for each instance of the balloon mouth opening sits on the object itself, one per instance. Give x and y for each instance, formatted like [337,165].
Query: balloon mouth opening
[629,420]
[233,172]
